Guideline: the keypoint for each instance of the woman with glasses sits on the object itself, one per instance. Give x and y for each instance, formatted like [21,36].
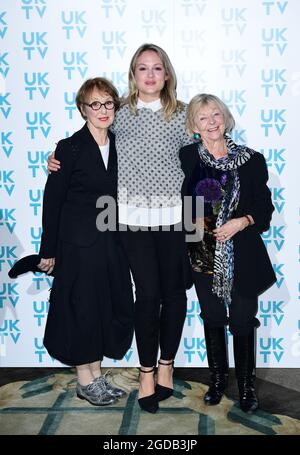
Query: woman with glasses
[91,302]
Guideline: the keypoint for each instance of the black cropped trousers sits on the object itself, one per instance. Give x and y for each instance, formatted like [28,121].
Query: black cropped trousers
[158,262]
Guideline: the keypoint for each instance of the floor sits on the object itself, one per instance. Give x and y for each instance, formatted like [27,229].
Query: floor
[278,389]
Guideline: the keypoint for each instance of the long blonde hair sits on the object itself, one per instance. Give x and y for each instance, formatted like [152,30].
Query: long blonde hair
[168,94]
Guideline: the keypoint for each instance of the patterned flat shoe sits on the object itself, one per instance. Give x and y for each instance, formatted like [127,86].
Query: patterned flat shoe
[95,394]
[110,389]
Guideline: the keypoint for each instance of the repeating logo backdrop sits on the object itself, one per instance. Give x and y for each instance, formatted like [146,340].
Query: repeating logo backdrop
[242,51]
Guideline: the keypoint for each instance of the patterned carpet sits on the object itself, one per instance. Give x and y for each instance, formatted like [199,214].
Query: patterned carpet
[49,406]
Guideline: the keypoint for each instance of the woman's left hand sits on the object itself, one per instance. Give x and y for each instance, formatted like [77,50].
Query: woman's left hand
[47,265]
[229,229]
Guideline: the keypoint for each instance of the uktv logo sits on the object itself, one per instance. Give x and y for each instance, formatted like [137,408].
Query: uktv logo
[192,82]
[3,24]
[9,295]
[34,8]
[7,182]
[193,42]
[193,8]
[271,7]
[235,100]
[38,122]
[35,200]
[8,256]
[193,313]
[7,219]
[5,105]
[274,41]
[40,311]
[35,235]
[74,24]
[35,44]
[274,237]
[75,63]
[70,105]
[113,7]
[194,349]
[9,328]
[36,83]
[274,81]
[40,350]
[235,62]
[4,65]
[271,312]
[273,120]
[234,20]
[6,144]
[154,21]
[271,348]
[275,159]
[114,43]
[37,163]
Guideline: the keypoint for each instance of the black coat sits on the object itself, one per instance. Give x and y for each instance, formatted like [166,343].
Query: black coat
[253,271]
[69,208]
[91,301]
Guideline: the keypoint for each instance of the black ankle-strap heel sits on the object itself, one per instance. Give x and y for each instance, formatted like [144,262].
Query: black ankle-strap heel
[149,403]
[161,391]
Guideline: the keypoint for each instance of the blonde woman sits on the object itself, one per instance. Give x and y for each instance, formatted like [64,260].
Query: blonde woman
[150,130]
[230,263]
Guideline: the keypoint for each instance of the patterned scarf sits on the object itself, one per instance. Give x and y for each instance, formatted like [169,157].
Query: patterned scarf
[224,254]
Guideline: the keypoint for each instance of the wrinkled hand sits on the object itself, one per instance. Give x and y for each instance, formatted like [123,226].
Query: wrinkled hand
[53,164]
[229,229]
[47,265]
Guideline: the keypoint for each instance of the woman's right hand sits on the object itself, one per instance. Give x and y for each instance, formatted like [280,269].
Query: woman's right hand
[53,164]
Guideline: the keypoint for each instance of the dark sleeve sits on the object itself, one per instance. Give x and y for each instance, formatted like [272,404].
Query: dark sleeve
[188,163]
[184,166]
[54,196]
[185,158]
[261,208]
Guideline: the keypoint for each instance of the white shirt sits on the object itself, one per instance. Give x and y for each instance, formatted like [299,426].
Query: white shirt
[153,105]
[104,150]
[145,216]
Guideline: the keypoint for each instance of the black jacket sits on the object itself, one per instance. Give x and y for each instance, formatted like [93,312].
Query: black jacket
[253,271]
[69,206]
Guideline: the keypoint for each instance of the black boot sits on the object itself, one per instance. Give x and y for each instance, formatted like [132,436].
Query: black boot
[244,358]
[217,361]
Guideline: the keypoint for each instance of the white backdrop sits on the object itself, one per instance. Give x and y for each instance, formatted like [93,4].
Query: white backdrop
[243,51]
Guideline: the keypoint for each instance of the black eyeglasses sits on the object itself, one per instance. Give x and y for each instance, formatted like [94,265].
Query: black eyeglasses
[96,105]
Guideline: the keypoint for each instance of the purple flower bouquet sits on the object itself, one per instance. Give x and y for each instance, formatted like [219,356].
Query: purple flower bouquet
[210,189]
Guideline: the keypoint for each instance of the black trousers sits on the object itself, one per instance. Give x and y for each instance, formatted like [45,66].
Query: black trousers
[241,312]
[157,260]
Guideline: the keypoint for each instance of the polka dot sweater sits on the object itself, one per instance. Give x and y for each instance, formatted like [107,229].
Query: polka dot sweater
[149,171]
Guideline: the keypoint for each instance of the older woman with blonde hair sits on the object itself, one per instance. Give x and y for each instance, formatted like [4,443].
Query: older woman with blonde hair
[230,264]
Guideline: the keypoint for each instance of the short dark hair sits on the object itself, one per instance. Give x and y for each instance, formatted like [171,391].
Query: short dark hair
[100,83]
